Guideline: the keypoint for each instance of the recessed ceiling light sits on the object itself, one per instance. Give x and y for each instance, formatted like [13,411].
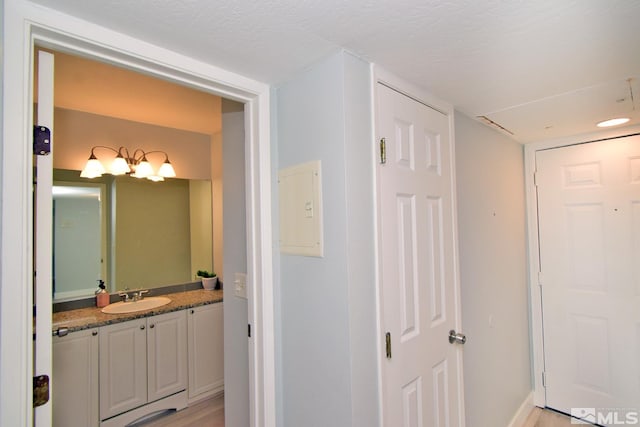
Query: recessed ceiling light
[613,122]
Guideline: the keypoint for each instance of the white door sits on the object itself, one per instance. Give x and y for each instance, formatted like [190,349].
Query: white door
[422,375]
[589,224]
[43,208]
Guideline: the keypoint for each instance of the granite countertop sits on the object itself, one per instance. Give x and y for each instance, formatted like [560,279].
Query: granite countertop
[93,317]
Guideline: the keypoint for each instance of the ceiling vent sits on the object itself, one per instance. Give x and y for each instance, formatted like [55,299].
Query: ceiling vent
[487,121]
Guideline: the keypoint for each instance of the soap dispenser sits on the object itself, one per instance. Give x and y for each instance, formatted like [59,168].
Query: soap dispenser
[102,296]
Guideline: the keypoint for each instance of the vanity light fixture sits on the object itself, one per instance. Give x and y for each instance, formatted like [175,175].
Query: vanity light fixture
[135,164]
[613,122]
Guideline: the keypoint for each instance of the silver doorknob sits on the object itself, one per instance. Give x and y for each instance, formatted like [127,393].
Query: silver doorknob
[457,338]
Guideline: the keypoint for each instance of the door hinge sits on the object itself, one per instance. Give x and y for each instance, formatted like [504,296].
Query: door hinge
[535,178]
[40,390]
[540,278]
[41,141]
[388,344]
[544,378]
[383,151]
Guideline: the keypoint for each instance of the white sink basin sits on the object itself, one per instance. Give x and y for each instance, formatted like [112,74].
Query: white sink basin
[133,306]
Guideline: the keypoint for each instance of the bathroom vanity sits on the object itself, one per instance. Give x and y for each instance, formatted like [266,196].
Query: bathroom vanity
[110,370]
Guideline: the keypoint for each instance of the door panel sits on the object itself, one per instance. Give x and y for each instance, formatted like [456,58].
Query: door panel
[166,354]
[205,327]
[75,364]
[419,296]
[588,198]
[43,265]
[123,367]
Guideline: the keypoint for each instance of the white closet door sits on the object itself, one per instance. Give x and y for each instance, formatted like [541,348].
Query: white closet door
[422,372]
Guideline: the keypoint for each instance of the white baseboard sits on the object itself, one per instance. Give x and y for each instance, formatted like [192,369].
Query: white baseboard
[523,412]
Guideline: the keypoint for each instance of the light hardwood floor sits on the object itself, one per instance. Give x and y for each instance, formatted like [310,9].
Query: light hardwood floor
[208,413]
[546,418]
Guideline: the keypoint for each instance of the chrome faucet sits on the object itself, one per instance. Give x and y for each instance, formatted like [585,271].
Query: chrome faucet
[134,296]
[139,295]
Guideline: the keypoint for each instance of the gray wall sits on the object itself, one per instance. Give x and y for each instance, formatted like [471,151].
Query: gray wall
[326,344]
[493,276]
[236,350]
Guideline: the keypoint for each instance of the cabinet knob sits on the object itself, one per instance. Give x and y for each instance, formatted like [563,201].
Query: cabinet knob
[193,311]
[94,333]
[142,327]
[152,326]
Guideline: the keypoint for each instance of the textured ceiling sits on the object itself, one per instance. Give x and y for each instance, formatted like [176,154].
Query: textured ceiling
[504,59]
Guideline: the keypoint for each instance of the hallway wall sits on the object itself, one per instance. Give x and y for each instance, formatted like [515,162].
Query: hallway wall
[493,273]
[236,346]
[326,343]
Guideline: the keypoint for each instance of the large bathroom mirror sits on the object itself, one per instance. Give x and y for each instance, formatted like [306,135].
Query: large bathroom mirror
[129,232]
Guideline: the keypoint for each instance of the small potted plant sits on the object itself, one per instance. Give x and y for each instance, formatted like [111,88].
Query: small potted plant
[209,280]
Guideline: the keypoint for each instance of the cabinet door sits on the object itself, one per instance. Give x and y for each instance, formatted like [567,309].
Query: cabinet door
[206,349]
[74,382]
[123,367]
[167,355]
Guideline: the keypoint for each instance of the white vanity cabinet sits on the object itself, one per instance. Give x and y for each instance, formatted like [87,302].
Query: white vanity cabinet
[142,361]
[206,350]
[113,375]
[74,383]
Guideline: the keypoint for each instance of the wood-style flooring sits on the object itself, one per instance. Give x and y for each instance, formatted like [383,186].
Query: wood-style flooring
[208,413]
[547,418]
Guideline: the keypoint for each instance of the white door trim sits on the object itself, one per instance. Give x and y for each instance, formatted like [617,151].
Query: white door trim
[386,78]
[26,24]
[535,294]
[43,226]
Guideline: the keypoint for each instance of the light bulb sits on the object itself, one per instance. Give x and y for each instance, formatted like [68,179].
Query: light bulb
[166,170]
[143,169]
[93,168]
[119,166]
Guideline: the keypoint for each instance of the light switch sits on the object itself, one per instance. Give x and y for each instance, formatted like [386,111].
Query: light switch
[308,209]
[240,285]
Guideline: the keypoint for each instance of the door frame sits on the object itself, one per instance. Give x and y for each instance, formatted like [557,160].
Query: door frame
[381,76]
[535,292]
[26,24]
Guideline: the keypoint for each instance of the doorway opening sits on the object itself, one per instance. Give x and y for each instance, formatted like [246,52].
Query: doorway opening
[30,26]
[137,233]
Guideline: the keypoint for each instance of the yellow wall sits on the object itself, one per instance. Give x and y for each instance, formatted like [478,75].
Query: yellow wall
[152,228]
[201,223]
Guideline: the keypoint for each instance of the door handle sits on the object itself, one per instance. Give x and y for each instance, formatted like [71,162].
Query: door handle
[455,338]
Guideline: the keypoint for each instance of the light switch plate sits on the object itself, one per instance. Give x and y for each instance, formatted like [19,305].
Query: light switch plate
[240,285]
